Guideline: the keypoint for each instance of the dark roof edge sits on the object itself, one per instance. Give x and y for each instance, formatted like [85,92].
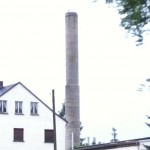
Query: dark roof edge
[109,146]
[13,85]
[41,101]
[139,139]
[118,144]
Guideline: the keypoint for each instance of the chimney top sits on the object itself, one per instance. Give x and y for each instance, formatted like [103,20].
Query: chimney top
[1,84]
[71,14]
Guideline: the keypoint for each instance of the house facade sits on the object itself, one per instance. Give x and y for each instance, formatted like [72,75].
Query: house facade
[26,121]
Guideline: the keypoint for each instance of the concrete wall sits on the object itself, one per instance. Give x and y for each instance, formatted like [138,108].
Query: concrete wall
[33,125]
[72,94]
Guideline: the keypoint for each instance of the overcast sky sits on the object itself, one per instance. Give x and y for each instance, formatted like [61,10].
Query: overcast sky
[32,46]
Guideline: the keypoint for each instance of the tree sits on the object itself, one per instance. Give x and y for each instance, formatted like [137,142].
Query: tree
[62,115]
[148,124]
[94,141]
[81,139]
[144,86]
[114,134]
[62,112]
[135,16]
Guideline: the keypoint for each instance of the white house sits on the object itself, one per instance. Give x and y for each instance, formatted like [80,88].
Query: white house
[26,122]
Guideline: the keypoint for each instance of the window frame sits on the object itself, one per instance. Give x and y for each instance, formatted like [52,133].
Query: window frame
[34,108]
[49,136]
[18,135]
[19,106]
[3,109]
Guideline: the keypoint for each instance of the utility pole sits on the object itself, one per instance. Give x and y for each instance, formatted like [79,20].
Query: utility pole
[54,119]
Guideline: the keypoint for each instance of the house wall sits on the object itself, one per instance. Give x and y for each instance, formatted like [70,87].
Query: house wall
[33,125]
[126,148]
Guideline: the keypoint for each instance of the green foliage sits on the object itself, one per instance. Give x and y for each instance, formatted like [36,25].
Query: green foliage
[148,124]
[114,134]
[109,1]
[81,141]
[94,141]
[62,112]
[81,127]
[135,16]
[62,115]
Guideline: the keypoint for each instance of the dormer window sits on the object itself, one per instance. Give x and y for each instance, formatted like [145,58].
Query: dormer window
[18,107]
[34,108]
[3,106]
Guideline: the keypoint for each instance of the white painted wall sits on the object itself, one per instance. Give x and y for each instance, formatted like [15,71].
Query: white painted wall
[33,125]
[127,148]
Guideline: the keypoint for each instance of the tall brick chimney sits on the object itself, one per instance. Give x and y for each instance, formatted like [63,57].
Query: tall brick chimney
[72,96]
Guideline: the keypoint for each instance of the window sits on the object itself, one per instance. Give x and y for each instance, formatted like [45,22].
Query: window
[49,136]
[18,134]
[18,107]
[3,106]
[34,108]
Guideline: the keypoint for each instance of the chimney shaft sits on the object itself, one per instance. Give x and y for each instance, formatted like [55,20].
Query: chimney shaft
[72,107]
[1,84]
